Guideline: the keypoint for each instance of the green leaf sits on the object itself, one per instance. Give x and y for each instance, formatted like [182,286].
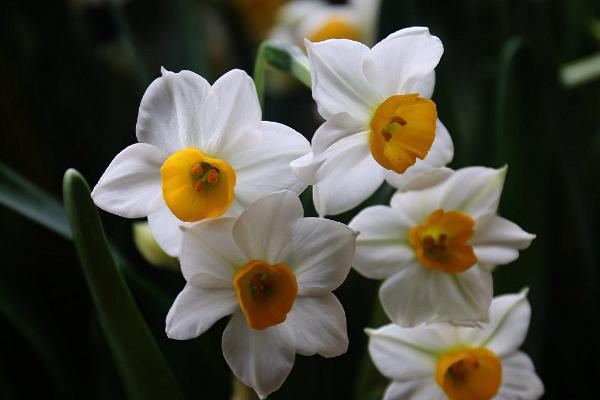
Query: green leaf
[283,56]
[19,194]
[141,365]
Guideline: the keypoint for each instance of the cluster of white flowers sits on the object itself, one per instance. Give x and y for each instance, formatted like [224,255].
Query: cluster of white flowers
[220,190]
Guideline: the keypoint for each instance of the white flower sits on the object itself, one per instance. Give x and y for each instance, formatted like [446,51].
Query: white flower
[436,247]
[274,271]
[203,152]
[318,20]
[379,122]
[440,361]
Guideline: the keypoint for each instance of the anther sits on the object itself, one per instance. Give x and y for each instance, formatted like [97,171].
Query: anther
[198,186]
[196,169]
[213,176]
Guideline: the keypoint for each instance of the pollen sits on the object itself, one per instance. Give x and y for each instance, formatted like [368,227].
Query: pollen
[402,131]
[336,28]
[196,186]
[265,292]
[469,374]
[441,241]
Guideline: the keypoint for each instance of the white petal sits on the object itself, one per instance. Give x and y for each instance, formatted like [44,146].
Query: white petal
[402,354]
[382,247]
[172,111]
[234,115]
[319,326]
[417,295]
[131,185]
[195,310]
[497,240]
[439,155]
[325,145]
[417,389]
[166,229]
[320,255]
[351,175]
[209,255]
[338,81]
[267,169]
[519,380]
[264,230]
[262,359]
[506,331]
[403,62]
[474,190]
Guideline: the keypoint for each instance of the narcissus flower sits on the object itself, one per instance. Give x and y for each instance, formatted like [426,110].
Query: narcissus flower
[318,20]
[443,361]
[380,123]
[435,248]
[203,152]
[274,271]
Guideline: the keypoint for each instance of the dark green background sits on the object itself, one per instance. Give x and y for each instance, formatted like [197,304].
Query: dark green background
[71,79]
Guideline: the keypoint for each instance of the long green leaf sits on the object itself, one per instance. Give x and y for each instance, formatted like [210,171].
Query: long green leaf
[141,365]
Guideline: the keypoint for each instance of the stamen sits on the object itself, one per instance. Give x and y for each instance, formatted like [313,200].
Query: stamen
[213,176]
[196,169]
[199,186]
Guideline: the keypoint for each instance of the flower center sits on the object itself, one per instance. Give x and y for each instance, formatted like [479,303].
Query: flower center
[266,292]
[402,130]
[440,242]
[469,374]
[196,186]
[335,28]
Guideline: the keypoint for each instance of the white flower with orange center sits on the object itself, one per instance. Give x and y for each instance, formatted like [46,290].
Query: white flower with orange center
[443,361]
[203,152]
[436,248]
[318,20]
[380,123]
[274,271]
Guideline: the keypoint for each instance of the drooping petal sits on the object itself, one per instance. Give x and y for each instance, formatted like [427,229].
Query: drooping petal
[262,359]
[403,62]
[417,295]
[166,229]
[209,255]
[417,389]
[472,190]
[497,240]
[519,380]
[195,310]
[234,115]
[338,81]
[173,111]
[403,354]
[382,247]
[131,185]
[506,331]
[350,176]
[264,230]
[321,254]
[325,144]
[440,154]
[319,326]
[267,169]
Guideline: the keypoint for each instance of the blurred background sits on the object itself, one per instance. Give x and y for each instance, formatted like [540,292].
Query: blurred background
[518,85]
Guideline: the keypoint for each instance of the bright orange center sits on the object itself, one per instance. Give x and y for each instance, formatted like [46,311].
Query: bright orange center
[335,28]
[469,374]
[266,292]
[402,130]
[440,242]
[197,186]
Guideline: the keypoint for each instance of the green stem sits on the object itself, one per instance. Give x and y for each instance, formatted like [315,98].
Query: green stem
[241,391]
[283,56]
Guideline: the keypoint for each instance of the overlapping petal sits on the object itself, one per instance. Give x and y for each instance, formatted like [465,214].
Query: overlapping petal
[417,295]
[195,310]
[319,326]
[497,240]
[262,359]
[166,229]
[321,254]
[415,389]
[131,185]
[519,380]
[173,112]
[412,54]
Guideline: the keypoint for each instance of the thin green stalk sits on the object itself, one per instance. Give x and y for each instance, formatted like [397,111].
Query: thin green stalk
[241,391]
